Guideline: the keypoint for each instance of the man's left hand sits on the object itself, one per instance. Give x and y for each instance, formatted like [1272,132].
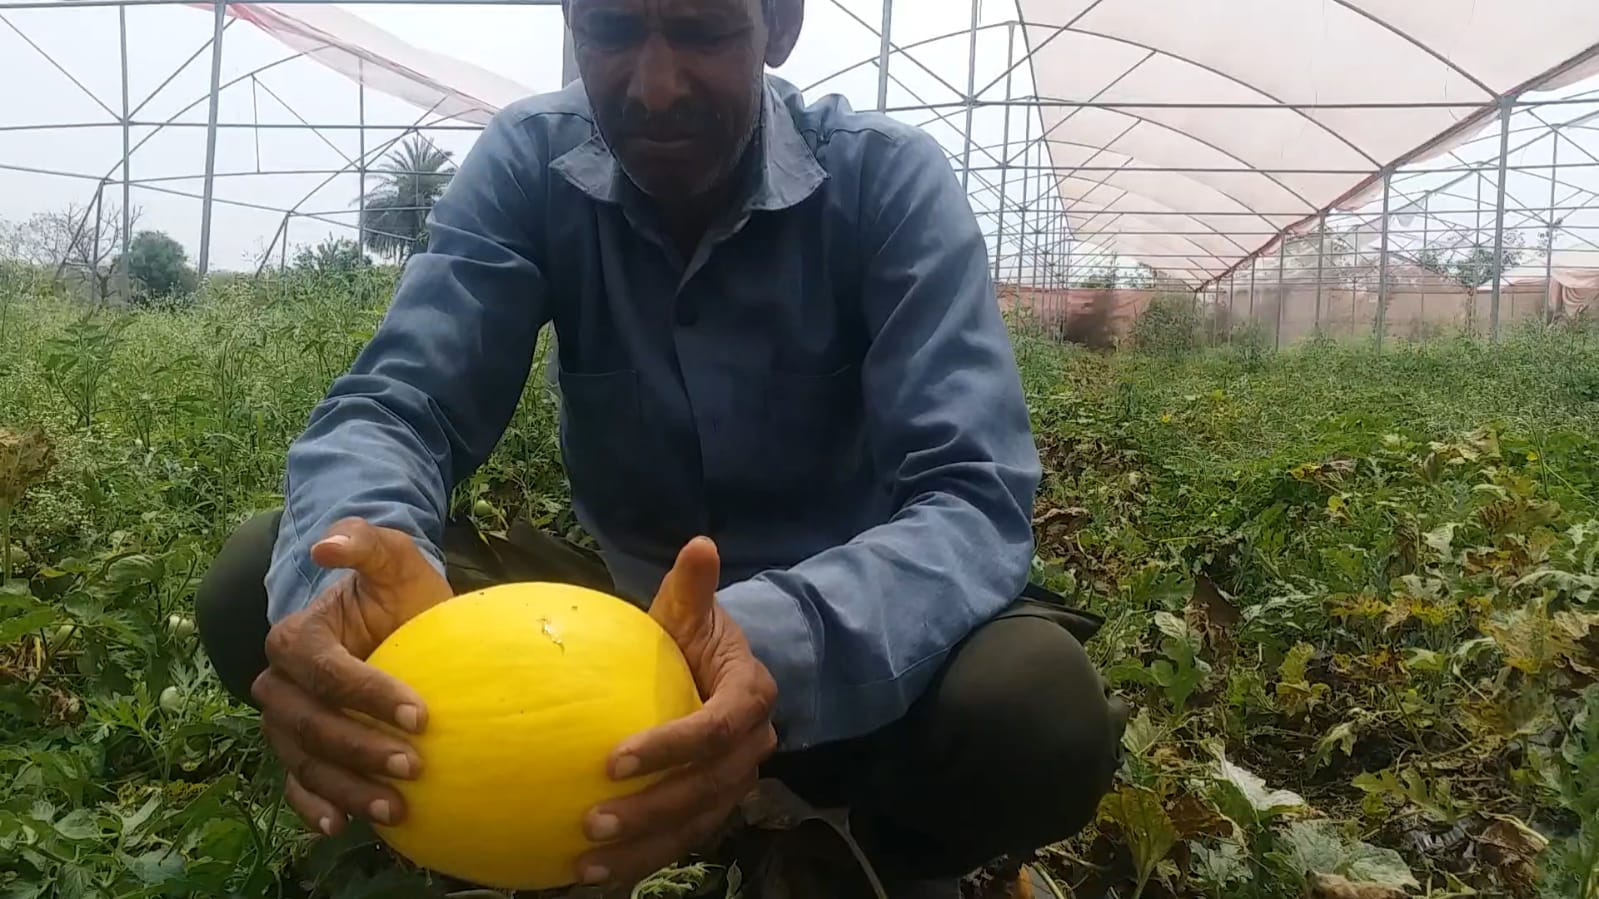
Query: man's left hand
[713,754]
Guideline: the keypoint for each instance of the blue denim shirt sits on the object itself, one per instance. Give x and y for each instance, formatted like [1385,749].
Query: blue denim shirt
[826,388]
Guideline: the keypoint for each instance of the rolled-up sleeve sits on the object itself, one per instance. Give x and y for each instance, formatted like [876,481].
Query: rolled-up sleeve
[855,633]
[429,396]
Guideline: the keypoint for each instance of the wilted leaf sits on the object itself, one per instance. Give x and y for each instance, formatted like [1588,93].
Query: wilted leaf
[1144,824]
[1341,736]
[1331,886]
[1513,849]
[1262,799]
[1442,539]
[1223,866]
[1173,627]
[1315,847]
[1142,733]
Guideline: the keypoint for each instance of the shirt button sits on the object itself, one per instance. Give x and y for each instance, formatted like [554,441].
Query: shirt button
[687,314]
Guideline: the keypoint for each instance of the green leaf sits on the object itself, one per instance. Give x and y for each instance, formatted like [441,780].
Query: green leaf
[26,623]
[157,866]
[78,824]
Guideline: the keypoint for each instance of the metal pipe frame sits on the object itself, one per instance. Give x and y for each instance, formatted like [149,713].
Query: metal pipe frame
[1057,230]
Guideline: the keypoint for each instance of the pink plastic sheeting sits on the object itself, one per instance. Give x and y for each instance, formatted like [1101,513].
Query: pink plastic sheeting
[445,87]
[1265,52]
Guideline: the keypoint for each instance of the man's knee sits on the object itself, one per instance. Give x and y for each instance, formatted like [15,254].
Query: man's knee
[230,604]
[1033,718]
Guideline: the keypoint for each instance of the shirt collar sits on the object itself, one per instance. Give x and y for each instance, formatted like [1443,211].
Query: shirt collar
[789,172]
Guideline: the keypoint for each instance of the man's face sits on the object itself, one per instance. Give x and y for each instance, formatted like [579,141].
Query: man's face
[676,85]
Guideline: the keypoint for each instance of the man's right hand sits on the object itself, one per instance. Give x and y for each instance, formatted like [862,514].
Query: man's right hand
[316,674]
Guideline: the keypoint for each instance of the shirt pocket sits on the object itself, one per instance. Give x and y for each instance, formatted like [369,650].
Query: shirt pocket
[812,434]
[600,433]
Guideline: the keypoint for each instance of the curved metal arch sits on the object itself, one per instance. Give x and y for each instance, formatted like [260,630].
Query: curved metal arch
[1416,42]
[903,50]
[1241,83]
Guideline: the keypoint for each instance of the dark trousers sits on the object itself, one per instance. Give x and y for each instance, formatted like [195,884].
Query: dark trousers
[1008,750]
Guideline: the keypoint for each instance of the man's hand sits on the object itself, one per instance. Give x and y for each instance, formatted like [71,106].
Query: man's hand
[316,674]
[713,754]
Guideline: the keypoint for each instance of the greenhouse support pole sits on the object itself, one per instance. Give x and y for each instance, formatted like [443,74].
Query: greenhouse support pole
[1027,183]
[884,50]
[1232,288]
[360,106]
[971,100]
[1282,290]
[1382,259]
[1507,106]
[1426,240]
[1004,156]
[1253,268]
[211,138]
[1321,264]
[127,152]
[1549,252]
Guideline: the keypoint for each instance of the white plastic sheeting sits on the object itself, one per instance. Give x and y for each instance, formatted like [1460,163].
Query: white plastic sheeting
[1314,84]
[442,87]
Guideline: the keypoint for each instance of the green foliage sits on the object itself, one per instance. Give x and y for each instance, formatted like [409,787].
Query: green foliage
[333,256]
[410,180]
[160,265]
[1171,326]
[1353,597]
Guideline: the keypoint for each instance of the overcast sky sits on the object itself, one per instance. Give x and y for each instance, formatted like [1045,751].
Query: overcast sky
[521,43]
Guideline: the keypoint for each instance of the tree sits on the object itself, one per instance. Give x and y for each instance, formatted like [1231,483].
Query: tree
[411,180]
[160,265]
[1474,266]
[334,255]
[71,243]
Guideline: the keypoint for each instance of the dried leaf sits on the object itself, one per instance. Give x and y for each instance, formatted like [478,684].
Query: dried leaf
[1513,849]
[1332,886]
[1193,817]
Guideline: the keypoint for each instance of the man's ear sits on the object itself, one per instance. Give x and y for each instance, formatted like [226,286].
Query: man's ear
[784,30]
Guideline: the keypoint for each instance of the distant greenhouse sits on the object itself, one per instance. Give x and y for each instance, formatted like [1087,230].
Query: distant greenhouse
[1354,165]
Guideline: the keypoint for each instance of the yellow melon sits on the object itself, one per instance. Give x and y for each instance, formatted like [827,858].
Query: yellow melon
[529,688]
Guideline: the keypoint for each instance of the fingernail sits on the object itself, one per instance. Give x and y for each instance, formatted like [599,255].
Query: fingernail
[604,827]
[626,767]
[335,540]
[380,810]
[596,874]
[399,765]
[326,826]
[408,717]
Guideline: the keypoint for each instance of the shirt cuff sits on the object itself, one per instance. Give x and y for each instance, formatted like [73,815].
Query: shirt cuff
[780,636]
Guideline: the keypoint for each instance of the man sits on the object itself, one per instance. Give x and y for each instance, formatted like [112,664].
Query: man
[791,419]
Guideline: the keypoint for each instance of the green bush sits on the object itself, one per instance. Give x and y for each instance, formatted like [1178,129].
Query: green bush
[1170,326]
[159,266]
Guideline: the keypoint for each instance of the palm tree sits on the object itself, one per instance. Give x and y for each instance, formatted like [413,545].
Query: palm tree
[410,181]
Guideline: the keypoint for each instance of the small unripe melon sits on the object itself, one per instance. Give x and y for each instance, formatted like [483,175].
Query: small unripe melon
[529,688]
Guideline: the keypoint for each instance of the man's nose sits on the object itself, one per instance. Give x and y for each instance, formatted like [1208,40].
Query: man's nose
[658,83]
